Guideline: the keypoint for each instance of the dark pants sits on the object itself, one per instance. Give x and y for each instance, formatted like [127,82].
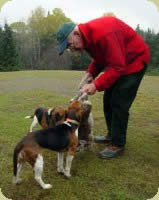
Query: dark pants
[117,101]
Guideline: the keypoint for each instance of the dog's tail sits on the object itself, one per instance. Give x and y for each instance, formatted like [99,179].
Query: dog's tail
[29,117]
[15,157]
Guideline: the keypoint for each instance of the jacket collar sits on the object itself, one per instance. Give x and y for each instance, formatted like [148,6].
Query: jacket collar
[85,34]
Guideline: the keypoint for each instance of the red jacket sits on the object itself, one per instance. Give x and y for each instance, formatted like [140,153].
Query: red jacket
[115,48]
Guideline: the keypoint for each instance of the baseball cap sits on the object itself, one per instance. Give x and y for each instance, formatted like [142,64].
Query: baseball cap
[62,34]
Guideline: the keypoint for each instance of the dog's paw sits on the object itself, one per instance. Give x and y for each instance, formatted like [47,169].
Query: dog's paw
[47,186]
[60,171]
[67,174]
[80,149]
[17,181]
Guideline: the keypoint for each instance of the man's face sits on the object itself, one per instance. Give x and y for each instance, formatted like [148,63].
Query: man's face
[75,42]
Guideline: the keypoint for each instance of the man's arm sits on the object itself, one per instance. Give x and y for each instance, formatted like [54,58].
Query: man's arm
[114,52]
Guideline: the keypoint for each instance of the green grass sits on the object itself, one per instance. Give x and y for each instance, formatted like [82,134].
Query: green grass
[133,176]
[152,71]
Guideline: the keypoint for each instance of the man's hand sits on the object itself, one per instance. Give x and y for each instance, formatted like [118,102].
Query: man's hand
[89,89]
[86,79]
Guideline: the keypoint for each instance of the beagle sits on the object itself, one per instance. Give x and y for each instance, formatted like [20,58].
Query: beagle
[85,130]
[61,138]
[47,117]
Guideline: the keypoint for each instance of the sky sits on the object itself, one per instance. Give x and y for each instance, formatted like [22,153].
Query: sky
[133,12]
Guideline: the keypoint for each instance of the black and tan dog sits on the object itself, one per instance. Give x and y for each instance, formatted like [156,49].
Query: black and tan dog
[47,117]
[62,138]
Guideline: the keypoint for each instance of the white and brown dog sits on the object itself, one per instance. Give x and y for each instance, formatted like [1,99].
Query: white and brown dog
[62,138]
[47,117]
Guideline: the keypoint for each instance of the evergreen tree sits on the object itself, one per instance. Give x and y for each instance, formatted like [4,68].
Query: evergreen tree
[9,58]
[1,51]
[152,39]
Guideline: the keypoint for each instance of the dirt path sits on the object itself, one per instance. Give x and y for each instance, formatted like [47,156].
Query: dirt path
[31,83]
[60,82]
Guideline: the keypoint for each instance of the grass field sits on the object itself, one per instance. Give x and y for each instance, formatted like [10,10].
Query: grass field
[133,176]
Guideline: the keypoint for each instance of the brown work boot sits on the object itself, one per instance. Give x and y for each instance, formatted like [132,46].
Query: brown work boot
[111,151]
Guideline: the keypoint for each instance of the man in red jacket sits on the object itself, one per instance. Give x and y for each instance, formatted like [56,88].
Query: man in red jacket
[120,58]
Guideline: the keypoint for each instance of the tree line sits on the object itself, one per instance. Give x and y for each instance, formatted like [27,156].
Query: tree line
[32,44]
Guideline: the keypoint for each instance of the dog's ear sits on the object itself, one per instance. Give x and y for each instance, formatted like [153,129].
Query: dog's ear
[60,114]
[57,117]
[66,114]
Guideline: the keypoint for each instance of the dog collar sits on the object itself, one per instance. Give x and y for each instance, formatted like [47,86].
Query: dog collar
[72,121]
[67,123]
